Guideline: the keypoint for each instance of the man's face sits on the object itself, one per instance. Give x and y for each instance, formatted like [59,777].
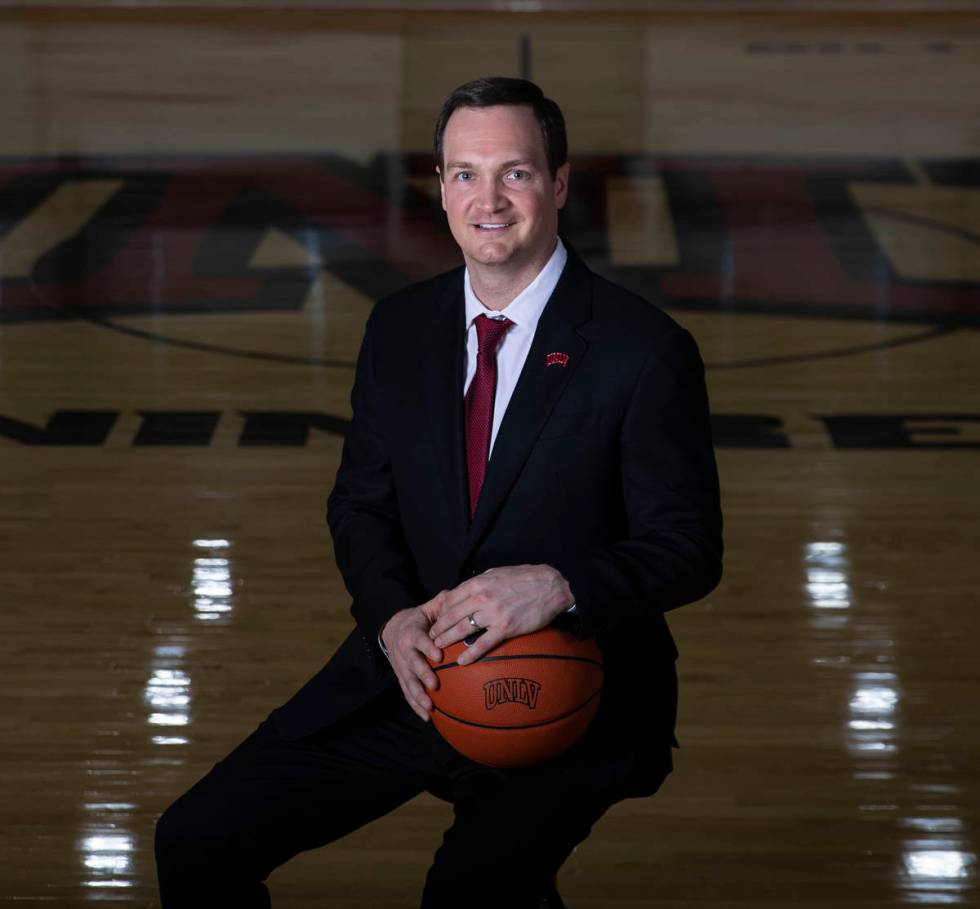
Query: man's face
[498,195]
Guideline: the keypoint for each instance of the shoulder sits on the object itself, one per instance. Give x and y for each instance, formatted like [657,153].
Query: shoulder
[417,302]
[617,304]
[635,326]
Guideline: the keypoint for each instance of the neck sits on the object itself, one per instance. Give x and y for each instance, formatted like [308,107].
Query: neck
[496,287]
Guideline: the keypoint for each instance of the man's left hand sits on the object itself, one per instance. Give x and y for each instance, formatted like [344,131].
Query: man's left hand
[507,602]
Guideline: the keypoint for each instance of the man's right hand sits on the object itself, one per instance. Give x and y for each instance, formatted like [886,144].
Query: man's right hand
[406,635]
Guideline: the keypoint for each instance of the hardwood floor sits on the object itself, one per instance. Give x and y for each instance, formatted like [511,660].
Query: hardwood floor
[197,210]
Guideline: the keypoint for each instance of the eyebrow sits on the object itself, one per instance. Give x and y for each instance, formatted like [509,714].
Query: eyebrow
[460,165]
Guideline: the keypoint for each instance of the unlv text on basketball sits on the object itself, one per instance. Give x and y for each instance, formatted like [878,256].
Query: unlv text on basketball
[511,691]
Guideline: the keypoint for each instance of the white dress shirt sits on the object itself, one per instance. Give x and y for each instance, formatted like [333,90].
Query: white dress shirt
[524,311]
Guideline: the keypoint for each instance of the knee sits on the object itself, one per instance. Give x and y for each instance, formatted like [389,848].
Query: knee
[197,863]
[194,855]
[177,839]
[192,834]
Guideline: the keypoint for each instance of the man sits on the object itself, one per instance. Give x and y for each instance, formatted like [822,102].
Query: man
[529,445]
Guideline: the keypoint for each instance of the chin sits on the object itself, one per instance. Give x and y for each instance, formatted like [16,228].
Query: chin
[492,256]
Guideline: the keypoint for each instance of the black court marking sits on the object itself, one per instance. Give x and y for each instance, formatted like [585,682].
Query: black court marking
[554,719]
[522,656]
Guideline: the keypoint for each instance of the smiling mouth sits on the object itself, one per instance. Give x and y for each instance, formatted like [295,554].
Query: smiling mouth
[490,226]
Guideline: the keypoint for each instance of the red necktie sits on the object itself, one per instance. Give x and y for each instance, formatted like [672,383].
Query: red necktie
[479,403]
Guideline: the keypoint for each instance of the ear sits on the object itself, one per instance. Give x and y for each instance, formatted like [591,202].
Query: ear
[442,188]
[561,185]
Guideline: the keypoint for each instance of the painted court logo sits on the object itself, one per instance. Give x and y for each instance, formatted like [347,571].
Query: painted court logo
[511,691]
[161,234]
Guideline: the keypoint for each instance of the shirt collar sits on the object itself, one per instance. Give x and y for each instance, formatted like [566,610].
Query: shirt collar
[526,308]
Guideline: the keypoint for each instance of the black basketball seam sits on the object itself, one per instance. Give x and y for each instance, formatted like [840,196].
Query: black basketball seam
[554,719]
[522,656]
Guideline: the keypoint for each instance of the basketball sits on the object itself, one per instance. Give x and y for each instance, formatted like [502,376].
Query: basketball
[525,702]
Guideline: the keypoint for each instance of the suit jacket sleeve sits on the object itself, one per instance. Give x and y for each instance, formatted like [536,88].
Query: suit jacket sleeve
[672,552]
[362,512]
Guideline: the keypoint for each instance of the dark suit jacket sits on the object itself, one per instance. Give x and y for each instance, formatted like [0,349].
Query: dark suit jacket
[603,468]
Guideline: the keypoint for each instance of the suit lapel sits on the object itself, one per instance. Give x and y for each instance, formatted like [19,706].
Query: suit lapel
[538,390]
[443,382]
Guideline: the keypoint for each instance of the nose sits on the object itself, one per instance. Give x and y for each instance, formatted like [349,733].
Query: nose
[492,198]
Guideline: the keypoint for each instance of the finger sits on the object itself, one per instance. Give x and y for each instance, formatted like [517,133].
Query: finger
[424,674]
[445,600]
[457,633]
[459,613]
[479,593]
[416,676]
[431,609]
[423,708]
[453,602]
[419,711]
[408,698]
[483,644]
[416,642]
[419,696]
[423,645]
[464,628]
[431,649]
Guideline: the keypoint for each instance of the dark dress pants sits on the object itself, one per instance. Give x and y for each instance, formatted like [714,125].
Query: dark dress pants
[273,798]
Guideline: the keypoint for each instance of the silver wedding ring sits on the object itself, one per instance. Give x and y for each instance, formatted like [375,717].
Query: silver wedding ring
[472,621]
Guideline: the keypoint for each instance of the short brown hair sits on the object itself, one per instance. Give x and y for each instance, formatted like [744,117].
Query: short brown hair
[494,91]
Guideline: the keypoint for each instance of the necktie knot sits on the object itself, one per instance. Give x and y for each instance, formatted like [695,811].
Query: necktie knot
[488,334]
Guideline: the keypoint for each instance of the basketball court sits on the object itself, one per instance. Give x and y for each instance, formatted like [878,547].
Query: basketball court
[199,204]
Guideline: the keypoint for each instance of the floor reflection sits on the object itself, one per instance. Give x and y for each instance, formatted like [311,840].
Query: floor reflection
[935,868]
[826,578]
[871,729]
[936,875]
[826,584]
[211,582]
[168,690]
[106,848]
[168,694]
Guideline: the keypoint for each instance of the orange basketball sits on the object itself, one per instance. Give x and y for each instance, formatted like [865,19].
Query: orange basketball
[523,703]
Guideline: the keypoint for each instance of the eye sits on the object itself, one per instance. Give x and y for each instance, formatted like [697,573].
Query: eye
[463,176]
[520,175]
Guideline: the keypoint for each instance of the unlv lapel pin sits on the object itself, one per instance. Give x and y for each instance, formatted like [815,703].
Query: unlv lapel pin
[561,359]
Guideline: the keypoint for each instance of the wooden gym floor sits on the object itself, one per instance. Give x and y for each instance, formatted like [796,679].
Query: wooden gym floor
[197,208]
